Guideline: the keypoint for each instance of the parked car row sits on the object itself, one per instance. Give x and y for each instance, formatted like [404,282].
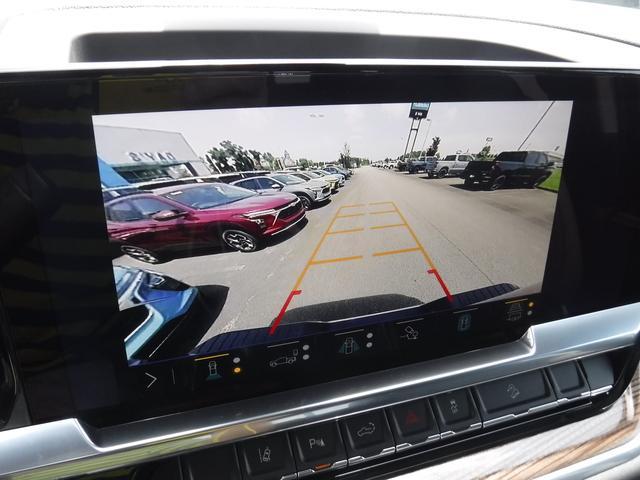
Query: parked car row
[521,168]
[153,223]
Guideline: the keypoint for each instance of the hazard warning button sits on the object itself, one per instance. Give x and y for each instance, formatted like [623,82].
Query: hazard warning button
[413,424]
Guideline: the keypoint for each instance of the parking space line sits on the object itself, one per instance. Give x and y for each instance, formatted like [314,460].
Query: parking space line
[278,319]
[296,288]
[392,225]
[442,284]
[336,260]
[395,252]
[329,231]
[415,239]
[351,230]
[384,211]
[432,270]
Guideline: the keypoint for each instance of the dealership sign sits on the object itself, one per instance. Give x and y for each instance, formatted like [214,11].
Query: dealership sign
[152,157]
[419,109]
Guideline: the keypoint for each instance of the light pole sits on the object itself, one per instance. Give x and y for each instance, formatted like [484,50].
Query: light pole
[426,137]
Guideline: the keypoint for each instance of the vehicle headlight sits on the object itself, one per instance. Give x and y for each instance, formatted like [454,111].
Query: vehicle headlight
[316,189]
[259,218]
[261,213]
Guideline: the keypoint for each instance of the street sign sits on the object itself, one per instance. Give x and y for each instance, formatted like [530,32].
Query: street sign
[419,109]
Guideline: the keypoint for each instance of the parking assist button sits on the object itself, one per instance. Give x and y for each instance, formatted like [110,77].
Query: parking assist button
[367,436]
[318,447]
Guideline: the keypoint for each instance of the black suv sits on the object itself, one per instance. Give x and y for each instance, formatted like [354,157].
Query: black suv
[525,168]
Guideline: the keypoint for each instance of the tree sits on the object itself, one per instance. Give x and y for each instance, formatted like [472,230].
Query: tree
[485,153]
[345,156]
[433,149]
[270,162]
[305,163]
[229,157]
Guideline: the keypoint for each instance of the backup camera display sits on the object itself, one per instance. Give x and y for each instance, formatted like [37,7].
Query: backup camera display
[231,226]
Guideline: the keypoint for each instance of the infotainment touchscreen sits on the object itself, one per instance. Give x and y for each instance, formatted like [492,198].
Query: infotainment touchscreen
[244,227]
[188,237]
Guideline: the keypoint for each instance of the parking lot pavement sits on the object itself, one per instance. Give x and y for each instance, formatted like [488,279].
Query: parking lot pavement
[386,240]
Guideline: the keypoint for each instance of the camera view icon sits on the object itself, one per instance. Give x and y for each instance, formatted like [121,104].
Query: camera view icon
[213,371]
[285,359]
[349,346]
[367,429]
[464,322]
[264,456]
[515,312]
[410,333]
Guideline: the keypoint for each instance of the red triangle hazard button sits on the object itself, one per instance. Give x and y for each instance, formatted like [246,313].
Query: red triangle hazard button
[411,418]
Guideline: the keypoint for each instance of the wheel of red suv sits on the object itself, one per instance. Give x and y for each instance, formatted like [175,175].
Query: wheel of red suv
[141,254]
[239,240]
[498,182]
[442,172]
[306,202]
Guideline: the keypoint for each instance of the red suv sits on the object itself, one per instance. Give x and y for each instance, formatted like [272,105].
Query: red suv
[148,226]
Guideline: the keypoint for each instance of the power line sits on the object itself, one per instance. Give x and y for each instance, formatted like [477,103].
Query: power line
[537,123]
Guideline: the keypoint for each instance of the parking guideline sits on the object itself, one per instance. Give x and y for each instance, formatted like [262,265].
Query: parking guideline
[329,231]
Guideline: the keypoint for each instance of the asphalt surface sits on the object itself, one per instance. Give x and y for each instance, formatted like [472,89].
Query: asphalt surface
[386,240]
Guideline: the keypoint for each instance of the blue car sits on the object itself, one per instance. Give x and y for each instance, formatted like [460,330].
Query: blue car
[158,310]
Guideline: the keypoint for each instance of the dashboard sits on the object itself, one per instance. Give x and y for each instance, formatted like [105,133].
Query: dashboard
[303,252]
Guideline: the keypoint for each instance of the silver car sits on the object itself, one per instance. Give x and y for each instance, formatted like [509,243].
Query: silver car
[309,192]
[337,176]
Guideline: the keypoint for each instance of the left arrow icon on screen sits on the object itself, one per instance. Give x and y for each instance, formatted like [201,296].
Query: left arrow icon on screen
[153,379]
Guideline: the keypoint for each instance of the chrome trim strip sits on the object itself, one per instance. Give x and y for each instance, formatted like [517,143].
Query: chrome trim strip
[360,459]
[601,390]
[514,416]
[289,226]
[268,62]
[430,439]
[86,449]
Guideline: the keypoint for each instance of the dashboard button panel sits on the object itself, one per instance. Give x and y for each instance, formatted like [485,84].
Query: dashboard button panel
[367,436]
[456,412]
[267,458]
[508,397]
[599,372]
[221,462]
[413,423]
[568,381]
[318,448]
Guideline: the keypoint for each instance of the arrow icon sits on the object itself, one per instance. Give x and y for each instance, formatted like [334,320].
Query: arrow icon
[153,379]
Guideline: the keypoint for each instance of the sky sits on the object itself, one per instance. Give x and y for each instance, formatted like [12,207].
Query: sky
[373,131]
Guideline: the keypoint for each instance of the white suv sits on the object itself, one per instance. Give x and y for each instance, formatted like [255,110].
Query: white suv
[449,165]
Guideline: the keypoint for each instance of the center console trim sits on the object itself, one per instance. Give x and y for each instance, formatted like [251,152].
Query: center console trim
[85,449]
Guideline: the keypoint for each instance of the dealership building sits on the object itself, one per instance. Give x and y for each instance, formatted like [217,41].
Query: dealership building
[133,155]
